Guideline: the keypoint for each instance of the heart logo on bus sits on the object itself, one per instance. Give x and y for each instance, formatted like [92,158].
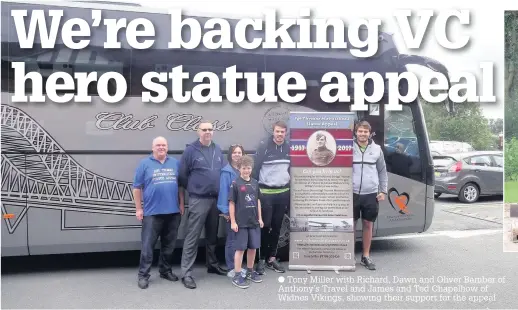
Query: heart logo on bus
[399,202]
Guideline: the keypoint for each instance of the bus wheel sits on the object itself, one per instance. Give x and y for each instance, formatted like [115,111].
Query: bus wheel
[469,193]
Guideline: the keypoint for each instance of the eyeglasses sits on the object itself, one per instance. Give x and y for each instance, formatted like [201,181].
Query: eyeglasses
[206,129]
[234,145]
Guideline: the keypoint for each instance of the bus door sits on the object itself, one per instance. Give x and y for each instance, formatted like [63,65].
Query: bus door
[404,207]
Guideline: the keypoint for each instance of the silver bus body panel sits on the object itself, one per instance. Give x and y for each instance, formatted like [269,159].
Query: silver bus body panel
[65,201]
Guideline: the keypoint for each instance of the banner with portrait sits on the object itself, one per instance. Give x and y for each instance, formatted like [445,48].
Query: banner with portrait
[321,212]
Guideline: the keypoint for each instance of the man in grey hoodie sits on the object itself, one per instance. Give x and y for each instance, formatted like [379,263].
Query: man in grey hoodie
[369,185]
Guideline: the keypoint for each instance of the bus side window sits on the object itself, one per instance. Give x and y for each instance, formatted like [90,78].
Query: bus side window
[62,59]
[401,144]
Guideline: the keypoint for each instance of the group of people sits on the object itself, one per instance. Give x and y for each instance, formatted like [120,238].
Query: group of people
[251,194]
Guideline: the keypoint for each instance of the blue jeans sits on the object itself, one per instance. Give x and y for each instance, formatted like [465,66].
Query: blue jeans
[229,247]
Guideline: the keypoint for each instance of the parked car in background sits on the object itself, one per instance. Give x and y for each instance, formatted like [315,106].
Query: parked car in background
[469,175]
[449,147]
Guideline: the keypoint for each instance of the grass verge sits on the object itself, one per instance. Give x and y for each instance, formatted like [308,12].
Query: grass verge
[511,192]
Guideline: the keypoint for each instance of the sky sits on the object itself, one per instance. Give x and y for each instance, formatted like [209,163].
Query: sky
[485,29]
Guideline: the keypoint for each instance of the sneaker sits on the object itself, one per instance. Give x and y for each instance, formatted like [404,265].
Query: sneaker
[169,276]
[143,283]
[254,276]
[259,268]
[275,266]
[240,281]
[368,263]
[231,273]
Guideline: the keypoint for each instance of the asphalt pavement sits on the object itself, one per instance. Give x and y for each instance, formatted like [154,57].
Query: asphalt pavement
[458,263]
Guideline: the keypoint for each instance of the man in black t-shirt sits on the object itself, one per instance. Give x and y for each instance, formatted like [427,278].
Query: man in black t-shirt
[246,222]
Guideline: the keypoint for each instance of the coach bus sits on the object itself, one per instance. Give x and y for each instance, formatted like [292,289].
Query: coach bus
[67,168]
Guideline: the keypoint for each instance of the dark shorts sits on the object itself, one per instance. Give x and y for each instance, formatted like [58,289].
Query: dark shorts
[247,238]
[365,206]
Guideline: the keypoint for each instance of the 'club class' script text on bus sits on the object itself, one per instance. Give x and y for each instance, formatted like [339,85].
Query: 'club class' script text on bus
[67,169]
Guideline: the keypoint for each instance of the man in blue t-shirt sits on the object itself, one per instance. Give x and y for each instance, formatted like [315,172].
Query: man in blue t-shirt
[156,185]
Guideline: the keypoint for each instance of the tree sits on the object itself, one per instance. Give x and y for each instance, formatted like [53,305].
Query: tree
[511,160]
[511,81]
[496,126]
[511,96]
[467,125]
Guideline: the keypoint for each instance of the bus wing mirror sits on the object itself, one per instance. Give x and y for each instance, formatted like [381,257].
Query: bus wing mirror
[432,64]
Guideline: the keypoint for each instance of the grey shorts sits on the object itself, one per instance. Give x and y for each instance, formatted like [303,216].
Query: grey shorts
[247,238]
